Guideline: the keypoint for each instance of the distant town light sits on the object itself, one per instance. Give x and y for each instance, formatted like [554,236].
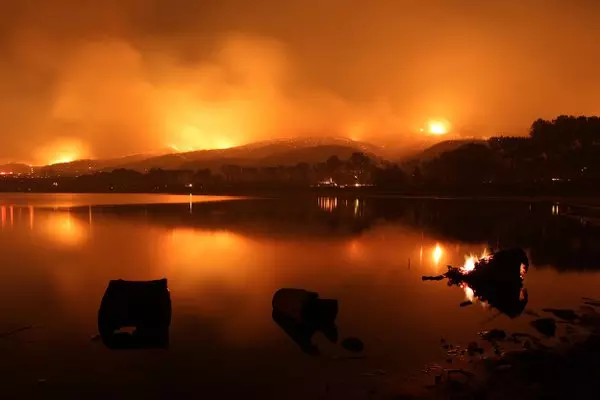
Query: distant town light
[329,182]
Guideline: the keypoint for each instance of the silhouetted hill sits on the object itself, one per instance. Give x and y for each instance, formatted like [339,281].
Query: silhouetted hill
[266,153]
[15,168]
[87,165]
[439,148]
[313,155]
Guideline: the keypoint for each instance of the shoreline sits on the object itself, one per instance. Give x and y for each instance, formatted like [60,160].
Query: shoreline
[350,192]
[560,365]
[591,201]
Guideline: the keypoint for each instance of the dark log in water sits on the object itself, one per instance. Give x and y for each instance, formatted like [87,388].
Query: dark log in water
[143,307]
[300,314]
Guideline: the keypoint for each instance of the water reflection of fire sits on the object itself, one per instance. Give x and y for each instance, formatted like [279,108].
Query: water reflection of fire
[469,293]
[472,297]
[438,252]
[201,250]
[63,228]
[327,203]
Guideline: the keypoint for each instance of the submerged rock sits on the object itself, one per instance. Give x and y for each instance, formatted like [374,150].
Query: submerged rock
[301,313]
[474,349]
[493,335]
[546,326]
[567,315]
[135,314]
[353,344]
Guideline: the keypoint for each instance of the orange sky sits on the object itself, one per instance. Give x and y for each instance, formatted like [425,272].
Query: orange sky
[123,76]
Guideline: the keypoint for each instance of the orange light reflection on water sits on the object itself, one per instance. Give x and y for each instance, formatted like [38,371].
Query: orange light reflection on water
[437,253]
[203,266]
[195,253]
[329,204]
[469,293]
[62,228]
[31,217]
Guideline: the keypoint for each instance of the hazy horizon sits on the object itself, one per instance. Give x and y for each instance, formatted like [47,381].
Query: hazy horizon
[127,77]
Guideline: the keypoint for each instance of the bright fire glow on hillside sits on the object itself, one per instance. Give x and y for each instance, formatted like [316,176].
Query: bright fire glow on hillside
[61,151]
[437,127]
[192,138]
[62,159]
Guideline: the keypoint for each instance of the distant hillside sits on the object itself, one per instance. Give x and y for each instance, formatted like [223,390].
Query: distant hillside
[88,165]
[266,153]
[15,168]
[437,149]
[313,155]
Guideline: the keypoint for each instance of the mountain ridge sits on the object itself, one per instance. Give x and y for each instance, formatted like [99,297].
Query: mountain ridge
[275,152]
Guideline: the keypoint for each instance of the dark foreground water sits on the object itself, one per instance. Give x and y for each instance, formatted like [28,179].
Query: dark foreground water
[224,260]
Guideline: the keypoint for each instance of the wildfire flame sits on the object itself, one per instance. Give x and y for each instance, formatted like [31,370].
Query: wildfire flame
[61,151]
[523,271]
[437,127]
[472,260]
[63,159]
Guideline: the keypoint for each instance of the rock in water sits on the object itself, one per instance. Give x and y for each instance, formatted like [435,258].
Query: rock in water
[567,315]
[493,335]
[546,326]
[353,344]
[303,305]
[300,314]
[144,307]
[474,349]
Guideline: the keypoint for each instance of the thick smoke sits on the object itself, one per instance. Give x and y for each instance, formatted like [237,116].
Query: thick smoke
[102,79]
[111,99]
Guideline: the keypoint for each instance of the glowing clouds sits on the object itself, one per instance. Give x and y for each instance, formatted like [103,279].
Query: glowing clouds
[119,101]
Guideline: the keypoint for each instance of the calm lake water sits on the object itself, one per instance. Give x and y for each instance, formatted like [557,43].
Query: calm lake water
[225,258]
